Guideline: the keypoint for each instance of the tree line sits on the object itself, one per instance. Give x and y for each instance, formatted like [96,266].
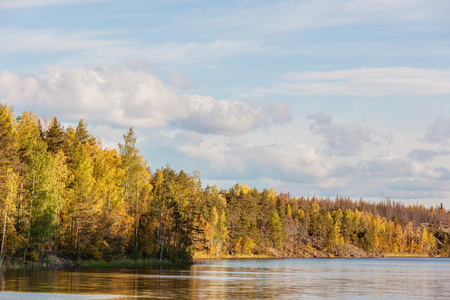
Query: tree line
[63,193]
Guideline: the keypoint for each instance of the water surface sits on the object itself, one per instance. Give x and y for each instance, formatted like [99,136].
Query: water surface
[293,278]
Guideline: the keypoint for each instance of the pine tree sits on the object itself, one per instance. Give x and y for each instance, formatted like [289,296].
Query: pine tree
[83,134]
[54,136]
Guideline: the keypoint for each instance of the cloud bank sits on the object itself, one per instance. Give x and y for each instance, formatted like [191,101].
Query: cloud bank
[439,131]
[371,82]
[343,139]
[129,96]
[307,168]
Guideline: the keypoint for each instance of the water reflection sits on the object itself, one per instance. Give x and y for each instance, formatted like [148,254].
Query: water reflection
[254,279]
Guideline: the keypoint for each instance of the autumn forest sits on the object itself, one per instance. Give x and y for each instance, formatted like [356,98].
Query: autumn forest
[63,194]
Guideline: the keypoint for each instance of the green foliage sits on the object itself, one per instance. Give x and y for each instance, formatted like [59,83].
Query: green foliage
[83,134]
[276,228]
[54,136]
[9,158]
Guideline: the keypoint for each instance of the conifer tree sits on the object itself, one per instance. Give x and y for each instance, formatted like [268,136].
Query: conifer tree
[83,135]
[54,136]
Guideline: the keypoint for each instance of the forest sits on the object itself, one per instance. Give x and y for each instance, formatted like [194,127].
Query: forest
[63,194]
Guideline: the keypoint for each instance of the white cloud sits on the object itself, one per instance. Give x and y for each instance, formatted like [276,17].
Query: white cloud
[127,96]
[289,162]
[107,135]
[285,160]
[12,4]
[367,82]
[439,131]
[303,170]
[229,117]
[389,166]
[290,16]
[385,166]
[297,162]
[199,52]
[342,139]
[424,155]
[417,185]
[112,46]
[45,41]
[177,79]
[280,112]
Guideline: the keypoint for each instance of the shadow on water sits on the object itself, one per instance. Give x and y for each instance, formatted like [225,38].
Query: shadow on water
[97,282]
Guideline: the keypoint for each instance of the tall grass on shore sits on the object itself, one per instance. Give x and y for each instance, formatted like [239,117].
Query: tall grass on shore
[130,263]
[403,254]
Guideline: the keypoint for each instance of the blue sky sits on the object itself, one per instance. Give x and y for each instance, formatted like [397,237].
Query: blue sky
[320,97]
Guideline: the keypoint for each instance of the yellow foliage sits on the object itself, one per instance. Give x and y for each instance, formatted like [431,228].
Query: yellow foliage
[248,246]
[245,189]
[273,195]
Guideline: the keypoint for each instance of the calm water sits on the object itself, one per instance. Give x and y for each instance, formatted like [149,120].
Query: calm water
[296,278]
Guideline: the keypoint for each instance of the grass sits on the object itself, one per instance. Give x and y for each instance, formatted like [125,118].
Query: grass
[7,265]
[154,262]
[118,263]
[129,263]
[237,256]
[405,255]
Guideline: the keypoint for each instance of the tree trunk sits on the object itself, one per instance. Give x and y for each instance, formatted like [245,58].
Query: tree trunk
[4,233]
[136,225]
[29,221]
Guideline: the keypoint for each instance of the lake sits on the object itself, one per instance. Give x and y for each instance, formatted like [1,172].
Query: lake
[292,278]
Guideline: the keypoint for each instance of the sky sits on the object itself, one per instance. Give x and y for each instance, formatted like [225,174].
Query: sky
[314,97]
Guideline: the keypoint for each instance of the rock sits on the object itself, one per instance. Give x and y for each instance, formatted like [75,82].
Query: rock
[55,261]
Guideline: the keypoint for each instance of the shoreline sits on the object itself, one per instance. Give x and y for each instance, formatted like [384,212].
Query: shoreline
[56,262]
[408,255]
[154,262]
[383,255]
